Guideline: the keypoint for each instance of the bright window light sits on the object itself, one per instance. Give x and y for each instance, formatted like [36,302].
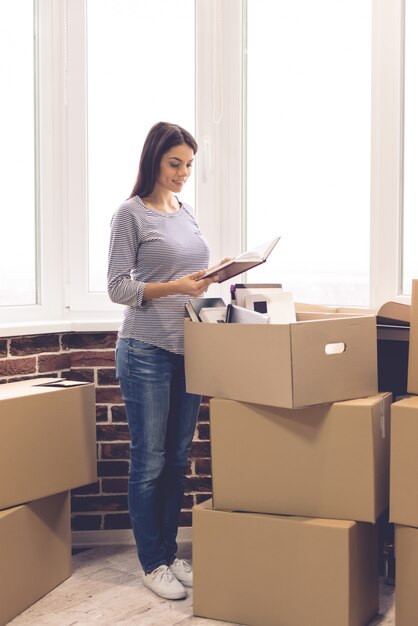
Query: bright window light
[308,145]
[17,155]
[141,70]
[410,248]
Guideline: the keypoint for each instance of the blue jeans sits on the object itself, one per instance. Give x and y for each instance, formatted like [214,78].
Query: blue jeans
[162,419]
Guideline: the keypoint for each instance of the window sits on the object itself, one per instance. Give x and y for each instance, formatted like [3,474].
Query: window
[18,155]
[308,145]
[140,69]
[410,190]
[298,111]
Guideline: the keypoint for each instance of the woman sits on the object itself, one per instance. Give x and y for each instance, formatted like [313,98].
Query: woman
[157,254]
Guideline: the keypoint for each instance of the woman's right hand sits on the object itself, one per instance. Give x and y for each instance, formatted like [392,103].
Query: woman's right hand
[190,284]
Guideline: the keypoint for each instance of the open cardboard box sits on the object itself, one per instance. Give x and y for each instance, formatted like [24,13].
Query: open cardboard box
[329,460]
[325,356]
[48,439]
[265,570]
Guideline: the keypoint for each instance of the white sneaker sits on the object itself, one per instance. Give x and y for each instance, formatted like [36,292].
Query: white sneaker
[162,582]
[182,570]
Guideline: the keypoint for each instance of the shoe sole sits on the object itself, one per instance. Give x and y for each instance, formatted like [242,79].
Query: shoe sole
[177,596]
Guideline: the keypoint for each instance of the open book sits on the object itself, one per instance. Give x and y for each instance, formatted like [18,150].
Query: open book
[242,262]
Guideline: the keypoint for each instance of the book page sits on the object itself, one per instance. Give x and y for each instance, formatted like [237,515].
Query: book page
[260,253]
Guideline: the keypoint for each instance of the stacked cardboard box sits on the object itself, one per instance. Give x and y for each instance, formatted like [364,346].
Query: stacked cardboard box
[403,509]
[300,448]
[47,447]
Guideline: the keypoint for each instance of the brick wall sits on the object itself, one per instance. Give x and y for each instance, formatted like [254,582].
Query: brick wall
[90,357]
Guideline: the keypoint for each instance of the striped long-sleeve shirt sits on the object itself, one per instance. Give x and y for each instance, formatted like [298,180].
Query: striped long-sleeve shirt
[148,246]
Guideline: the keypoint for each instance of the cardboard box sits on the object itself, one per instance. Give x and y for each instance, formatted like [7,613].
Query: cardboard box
[308,362]
[413,342]
[403,507]
[271,570]
[35,549]
[328,461]
[406,592]
[48,440]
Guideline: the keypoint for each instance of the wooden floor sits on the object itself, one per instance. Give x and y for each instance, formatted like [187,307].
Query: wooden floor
[106,589]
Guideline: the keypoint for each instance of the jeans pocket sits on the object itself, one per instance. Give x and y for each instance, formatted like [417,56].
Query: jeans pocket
[141,347]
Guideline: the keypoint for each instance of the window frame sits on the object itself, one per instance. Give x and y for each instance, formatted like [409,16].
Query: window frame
[75,203]
[218,133]
[220,118]
[386,150]
[48,82]
[79,299]
[220,166]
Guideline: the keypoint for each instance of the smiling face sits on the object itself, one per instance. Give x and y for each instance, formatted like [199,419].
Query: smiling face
[175,168]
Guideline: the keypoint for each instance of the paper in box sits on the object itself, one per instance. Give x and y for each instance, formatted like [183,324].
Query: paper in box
[35,549]
[403,507]
[311,361]
[328,461]
[48,441]
[271,570]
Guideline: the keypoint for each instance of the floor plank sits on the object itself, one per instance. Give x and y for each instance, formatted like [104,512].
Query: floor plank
[106,589]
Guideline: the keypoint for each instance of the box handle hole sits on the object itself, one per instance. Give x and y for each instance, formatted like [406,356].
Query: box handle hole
[335,348]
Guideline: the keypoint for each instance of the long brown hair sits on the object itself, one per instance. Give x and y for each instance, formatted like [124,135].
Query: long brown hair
[161,138]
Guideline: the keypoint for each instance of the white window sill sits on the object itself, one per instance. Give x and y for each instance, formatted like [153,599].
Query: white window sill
[59,326]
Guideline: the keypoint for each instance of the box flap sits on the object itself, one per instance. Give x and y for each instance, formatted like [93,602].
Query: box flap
[394,313]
